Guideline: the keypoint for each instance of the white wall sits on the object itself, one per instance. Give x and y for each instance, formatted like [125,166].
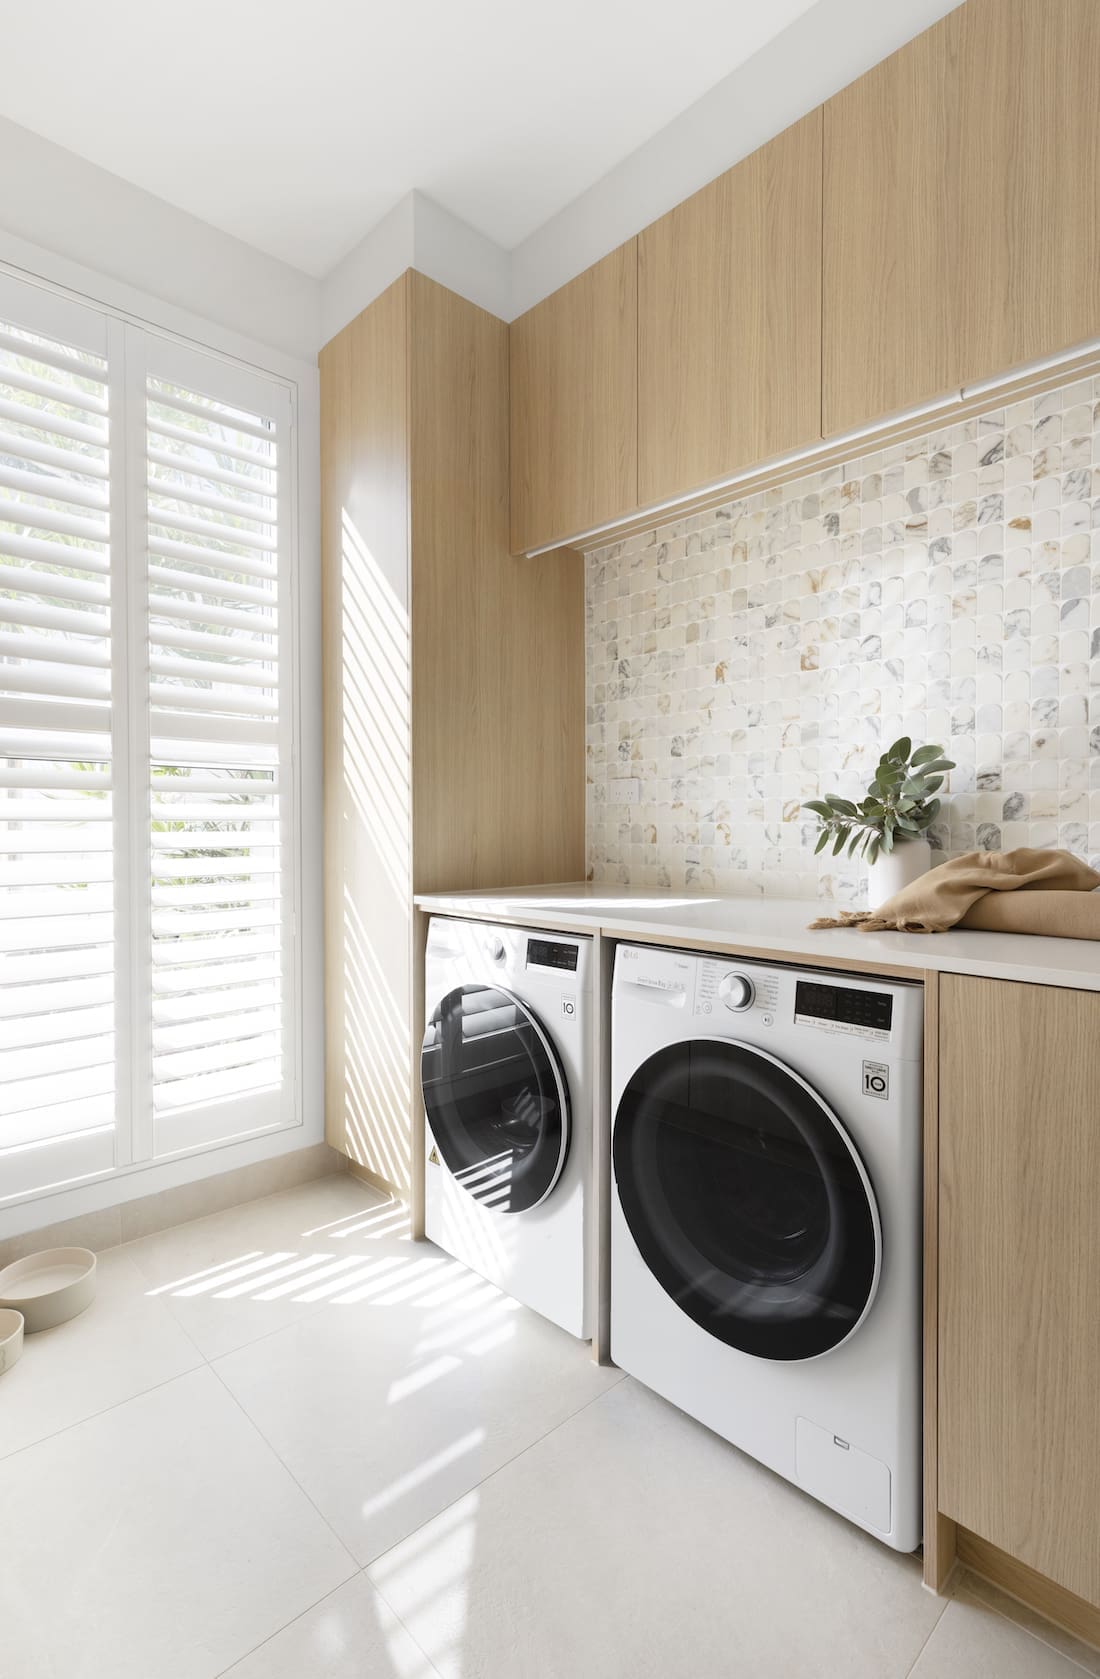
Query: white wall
[59,202]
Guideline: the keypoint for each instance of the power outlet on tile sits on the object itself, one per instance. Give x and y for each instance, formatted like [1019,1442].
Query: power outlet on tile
[624,790]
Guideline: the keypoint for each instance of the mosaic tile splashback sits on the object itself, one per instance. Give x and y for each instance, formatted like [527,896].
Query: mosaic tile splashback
[745,660]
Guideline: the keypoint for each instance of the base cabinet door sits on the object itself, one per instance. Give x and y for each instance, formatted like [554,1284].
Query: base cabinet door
[1019,1246]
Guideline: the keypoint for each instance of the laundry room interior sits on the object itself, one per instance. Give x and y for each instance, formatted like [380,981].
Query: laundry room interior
[550,841]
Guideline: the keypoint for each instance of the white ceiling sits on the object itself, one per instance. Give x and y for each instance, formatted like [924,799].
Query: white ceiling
[296,124]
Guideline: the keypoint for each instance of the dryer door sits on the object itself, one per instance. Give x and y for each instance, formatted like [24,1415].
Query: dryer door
[747,1199]
[496,1097]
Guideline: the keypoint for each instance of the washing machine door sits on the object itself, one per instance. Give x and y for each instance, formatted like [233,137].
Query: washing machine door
[496,1097]
[747,1199]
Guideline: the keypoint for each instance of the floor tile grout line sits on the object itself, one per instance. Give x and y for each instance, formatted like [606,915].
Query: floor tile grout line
[206,1360]
[400,1620]
[265,1335]
[278,1456]
[991,1608]
[1031,1631]
[360,1574]
[363,1567]
[493,1473]
[933,1629]
[128,1399]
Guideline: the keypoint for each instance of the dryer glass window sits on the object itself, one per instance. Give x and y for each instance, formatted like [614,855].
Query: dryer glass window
[746,1199]
[495,1098]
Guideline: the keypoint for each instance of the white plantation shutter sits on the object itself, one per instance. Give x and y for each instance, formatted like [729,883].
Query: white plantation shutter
[148,834]
[57,929]
[222,910]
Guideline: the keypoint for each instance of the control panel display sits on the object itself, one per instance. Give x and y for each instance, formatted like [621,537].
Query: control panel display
[868,1013]
[547,953]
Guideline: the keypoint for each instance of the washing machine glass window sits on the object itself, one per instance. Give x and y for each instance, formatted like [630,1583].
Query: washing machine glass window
[495,1097]
[746,1199]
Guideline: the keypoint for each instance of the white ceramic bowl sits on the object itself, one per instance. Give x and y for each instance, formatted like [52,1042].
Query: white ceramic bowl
[11,1338]
[49,1287]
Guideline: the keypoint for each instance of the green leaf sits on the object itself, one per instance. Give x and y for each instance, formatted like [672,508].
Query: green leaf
[818,806]
[934,785]
[938,766]
[822,841]
[900,750]
[839,846]
[873,850]
[856,838]
[844,806]
[925,754]
[888,839]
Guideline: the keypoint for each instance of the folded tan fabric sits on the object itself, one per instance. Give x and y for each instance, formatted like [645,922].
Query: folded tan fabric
[944,896]
[1053,915]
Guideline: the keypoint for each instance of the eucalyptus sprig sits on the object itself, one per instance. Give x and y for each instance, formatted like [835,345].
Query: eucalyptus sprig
[900,803]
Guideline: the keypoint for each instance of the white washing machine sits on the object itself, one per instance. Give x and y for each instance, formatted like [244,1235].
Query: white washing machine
[766,1217]
[506,1074]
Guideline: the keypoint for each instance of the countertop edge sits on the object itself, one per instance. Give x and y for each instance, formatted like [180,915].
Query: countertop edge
[920,952]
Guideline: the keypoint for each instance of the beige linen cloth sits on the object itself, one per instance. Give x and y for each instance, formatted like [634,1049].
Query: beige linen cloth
[1024,891]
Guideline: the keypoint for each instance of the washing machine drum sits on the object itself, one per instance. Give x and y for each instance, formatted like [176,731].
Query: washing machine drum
[746,1199]
[496,1097]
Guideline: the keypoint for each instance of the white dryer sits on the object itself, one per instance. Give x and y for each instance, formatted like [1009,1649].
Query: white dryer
[506,1076]
[766,1217]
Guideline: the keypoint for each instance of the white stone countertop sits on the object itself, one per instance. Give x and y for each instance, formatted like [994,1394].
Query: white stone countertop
[773,925]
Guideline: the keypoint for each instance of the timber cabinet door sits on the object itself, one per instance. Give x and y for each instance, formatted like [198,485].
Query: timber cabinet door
[729,320]
[1019,1283]
[890,336]
[1029,174]
[961,207]
[574,396]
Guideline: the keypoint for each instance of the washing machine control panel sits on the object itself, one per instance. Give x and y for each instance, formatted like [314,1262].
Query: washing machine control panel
[843,1008]
[719,988]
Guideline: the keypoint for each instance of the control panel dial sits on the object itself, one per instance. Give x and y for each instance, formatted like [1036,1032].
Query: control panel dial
[495,949]
[737,992]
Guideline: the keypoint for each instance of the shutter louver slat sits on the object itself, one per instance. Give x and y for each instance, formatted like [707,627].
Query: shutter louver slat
[57,955]
[56,923]
[146,886]
[217,890]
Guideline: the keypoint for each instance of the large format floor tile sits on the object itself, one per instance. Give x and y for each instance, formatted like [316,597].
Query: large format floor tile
[160,1540]
[632,1541]
[122,1345]
[975,1591]
[351,1635]
[394,1404]
[972,1642]
[528,1518]
[236,1276]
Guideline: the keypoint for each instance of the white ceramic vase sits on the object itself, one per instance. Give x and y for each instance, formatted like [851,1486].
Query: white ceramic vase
[892,870]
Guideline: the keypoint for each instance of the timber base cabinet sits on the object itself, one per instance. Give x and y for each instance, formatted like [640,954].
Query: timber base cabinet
[1018,1431]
